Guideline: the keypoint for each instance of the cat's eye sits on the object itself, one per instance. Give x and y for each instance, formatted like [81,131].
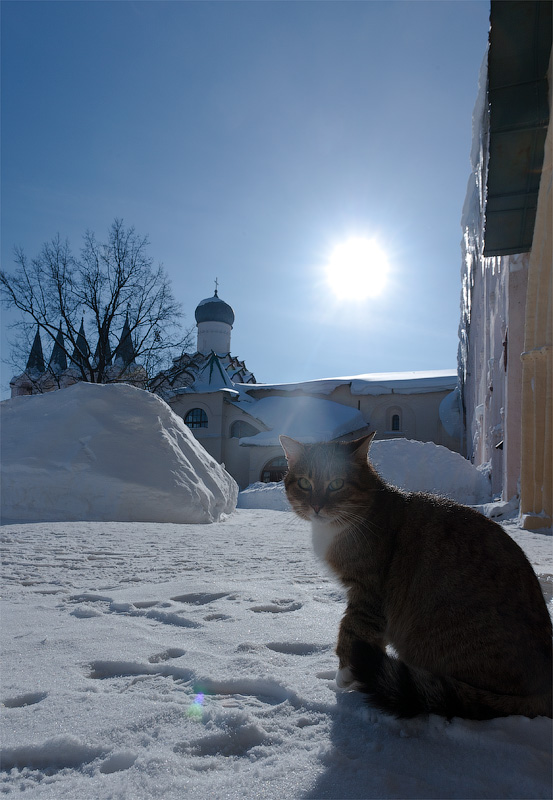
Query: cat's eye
[303,483]
[336,484]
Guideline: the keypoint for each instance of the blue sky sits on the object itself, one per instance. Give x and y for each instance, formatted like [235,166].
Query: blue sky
[248,139]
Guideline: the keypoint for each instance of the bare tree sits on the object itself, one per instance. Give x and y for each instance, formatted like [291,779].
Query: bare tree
[131,314]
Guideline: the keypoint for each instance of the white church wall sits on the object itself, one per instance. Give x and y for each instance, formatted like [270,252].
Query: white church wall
[235,457]
[211,403]
[419,414]
[419,418]
[237,462]
[213,336]
[259,457]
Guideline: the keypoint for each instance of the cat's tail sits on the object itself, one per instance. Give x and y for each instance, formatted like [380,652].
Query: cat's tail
[404,691]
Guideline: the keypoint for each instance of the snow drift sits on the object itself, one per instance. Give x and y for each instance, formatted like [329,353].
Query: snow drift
[428,467]
[413,466]
[264,495]
[106,453]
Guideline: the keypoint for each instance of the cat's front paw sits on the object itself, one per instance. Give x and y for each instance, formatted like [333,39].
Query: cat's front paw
[345,680]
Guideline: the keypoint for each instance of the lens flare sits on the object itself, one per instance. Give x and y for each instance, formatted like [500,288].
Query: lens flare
[196,711]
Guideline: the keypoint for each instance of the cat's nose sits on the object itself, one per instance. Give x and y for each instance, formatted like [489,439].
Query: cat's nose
[316,508]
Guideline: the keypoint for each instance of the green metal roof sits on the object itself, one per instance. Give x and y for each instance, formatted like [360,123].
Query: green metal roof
[518,59]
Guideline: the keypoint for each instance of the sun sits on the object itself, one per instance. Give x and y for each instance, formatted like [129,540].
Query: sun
[357,269]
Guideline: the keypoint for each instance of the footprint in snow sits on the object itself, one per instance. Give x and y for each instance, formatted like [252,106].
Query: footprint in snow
[237,742]
[166,655]
[23,700]
[145,603]
[327,675]
[277,607]
[53,755]
[62,753]
[158,666]
[199,598]
[297,648]
[85,612]
[118,762]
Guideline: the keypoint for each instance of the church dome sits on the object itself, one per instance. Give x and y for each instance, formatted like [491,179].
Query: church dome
[213,309]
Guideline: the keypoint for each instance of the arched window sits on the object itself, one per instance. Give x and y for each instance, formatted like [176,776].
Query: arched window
[241,428]
[196,418]
[274,470]
[394,419]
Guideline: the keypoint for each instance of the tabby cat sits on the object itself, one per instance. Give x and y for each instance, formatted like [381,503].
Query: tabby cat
[447,588]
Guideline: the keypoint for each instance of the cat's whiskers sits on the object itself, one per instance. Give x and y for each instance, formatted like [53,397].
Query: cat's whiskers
[360,520]
[357,525]
[351,524]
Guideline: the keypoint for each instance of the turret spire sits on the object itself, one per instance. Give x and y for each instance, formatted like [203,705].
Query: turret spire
[58,359]
[125,349]
[35,361]
[103,345]
[81,352]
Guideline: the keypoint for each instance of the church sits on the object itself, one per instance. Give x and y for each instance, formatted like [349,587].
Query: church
[238,420]
[64,370]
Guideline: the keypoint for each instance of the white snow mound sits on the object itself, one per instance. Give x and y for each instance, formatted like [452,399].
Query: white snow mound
[264,495]
[410,465]
[428,467]
[106,453]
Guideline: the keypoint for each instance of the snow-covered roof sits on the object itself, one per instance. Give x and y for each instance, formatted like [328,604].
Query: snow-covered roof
[201,372]
[308,419]
[213,376]
[375,383]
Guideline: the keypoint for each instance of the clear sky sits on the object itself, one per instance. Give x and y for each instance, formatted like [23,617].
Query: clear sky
[249,140]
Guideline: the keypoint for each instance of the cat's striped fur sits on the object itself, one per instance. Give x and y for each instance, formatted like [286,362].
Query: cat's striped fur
[446,587]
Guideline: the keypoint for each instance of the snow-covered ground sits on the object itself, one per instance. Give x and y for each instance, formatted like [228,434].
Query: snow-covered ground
[147,660]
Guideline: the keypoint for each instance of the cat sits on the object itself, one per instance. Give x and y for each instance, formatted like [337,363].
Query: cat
[446,587]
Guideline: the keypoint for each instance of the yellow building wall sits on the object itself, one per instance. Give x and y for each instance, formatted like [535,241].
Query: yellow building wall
[536,480]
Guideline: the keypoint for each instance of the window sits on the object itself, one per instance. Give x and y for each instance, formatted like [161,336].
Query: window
[394,420]
[241,428]
[275,470]
[196,418]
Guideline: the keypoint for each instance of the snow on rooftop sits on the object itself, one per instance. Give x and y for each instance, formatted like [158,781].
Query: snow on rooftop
[108,453]
[213,377]
[308,419]
[375,383]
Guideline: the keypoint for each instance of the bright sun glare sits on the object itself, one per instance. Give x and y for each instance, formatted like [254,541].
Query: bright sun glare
[357,269]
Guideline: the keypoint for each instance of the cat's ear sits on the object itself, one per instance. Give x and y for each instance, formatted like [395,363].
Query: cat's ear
[292,449]
[360,447]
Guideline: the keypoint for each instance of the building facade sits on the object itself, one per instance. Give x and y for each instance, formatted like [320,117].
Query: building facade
[238,420]
[505,354]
